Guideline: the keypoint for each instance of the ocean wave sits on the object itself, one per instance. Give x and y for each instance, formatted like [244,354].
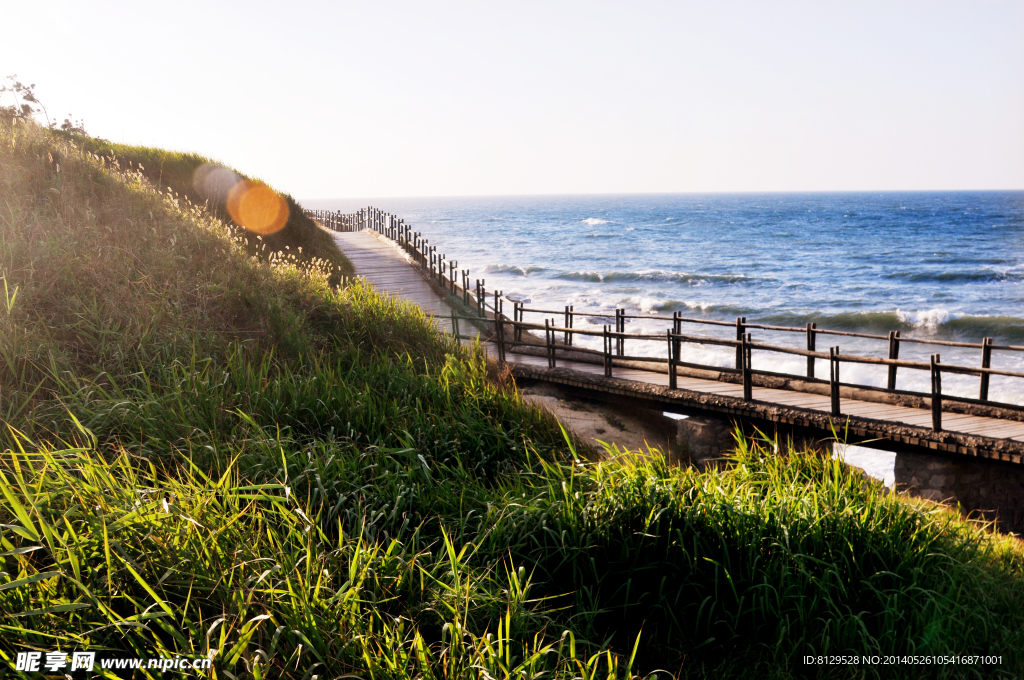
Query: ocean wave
[929,318]
[655,275]
[599,305]
[936,322]
[984,276]
[1002,328]
[650,305]
[600,235]
[594,221]
[511,269]
[948,259]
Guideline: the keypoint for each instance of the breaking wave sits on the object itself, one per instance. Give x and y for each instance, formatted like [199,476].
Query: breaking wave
[940,322]
[511,269]
[984,276]
[655,275]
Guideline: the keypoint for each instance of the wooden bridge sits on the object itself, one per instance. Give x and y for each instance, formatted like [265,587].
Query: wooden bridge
[388,253]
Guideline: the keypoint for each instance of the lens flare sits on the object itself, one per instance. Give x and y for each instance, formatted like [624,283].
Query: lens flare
[257,207]
[213,182]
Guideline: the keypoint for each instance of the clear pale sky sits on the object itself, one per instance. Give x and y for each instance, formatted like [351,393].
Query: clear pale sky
[347,99]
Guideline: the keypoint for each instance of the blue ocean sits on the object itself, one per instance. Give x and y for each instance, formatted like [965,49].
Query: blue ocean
[942,265]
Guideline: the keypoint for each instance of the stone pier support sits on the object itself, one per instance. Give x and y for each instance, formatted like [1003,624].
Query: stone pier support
[704,439]
[708,438]
[985,488]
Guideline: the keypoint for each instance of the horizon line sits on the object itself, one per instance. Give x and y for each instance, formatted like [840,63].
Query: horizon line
[674,193]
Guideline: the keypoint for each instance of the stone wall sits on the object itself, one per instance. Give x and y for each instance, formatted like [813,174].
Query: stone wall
[984,488]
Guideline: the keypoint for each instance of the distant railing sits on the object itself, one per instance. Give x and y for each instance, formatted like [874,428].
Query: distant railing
[446,274]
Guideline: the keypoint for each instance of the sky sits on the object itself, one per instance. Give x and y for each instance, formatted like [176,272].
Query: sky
[377,99]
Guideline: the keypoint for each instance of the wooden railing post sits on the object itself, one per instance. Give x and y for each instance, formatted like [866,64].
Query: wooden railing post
[620,327]
[517,314]
[741,330]
[567,340]
[936,393]
[677,329]
[747,372]
[812,341]
[549,340]
[986,362]
[607,353]
[894,354]
[499,328]
[672,358]
[833,378]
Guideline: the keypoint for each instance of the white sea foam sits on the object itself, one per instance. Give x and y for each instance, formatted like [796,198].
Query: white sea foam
[930,318]
[594,221]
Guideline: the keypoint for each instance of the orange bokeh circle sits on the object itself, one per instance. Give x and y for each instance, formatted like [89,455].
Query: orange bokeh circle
[257,207]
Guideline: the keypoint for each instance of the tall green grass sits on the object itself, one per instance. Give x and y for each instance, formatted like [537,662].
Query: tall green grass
[384,562]
[216,454]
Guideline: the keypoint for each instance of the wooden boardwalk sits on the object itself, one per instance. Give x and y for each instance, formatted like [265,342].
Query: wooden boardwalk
[391,271]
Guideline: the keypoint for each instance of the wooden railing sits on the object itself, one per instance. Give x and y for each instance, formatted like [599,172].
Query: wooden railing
[336,221]
[456,283]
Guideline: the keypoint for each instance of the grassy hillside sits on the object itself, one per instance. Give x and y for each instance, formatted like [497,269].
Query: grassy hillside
[213,451]
[192,178]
